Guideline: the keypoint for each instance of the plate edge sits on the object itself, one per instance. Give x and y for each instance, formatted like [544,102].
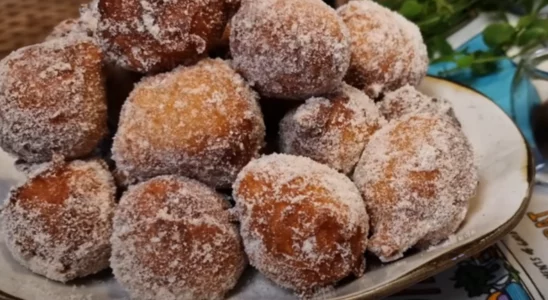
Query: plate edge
[451,258]
[447,260]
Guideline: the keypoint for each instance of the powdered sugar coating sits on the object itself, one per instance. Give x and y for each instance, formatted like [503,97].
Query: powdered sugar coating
[84,26]
[303,224]
[332,130]
[418,55]
[58,223]
[203,122]
[387,50]
[52,100]
[89,15]
[151,36]
[416,175]
[65,28]
[290,49]
[407,100]
[29,168]
[173,240]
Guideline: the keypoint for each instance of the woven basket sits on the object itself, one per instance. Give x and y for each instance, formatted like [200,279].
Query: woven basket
[25,22]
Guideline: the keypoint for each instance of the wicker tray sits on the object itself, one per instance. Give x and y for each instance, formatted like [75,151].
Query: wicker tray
[25,22]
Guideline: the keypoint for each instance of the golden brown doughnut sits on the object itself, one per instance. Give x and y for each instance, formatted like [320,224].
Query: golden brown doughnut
[58,223]
[52,100]
[173,240]
[416,175]
[387,50]
[290,49]
[303,224]
[333,129]
[153,36]
[202,122]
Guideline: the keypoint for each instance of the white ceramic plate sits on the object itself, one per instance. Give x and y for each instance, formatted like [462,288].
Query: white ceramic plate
[506,176]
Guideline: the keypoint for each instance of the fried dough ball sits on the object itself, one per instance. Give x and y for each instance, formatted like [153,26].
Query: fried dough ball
[153,36]
[65,28]
[416,175]
[408,100]
[303,224]
[202,122]
[52,100]
[290,49]
[119,81]
[332,130]
[84,26]
[387,50]
[58,224]
[173,240]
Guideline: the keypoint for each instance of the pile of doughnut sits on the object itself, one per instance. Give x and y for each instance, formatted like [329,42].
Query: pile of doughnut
[136,121]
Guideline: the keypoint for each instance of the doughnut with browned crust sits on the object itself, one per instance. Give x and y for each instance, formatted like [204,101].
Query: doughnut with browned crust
[416,175]
[290,49]
[52,100]
[333,129]
[202,122]
[387,50]
[303,224]
[58,223]
[173,240]
[153,36]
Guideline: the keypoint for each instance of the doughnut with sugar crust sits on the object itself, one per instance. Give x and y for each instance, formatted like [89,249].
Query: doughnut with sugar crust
[154,36]
[303,224]
[59,222]
[173,240]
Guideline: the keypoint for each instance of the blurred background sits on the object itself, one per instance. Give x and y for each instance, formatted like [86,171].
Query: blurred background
[25,22]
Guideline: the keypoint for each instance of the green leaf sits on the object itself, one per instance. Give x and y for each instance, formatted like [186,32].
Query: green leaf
[444,6]
[392,4]
[540,23]
[486,62]
[498,34]
[525,21]
[411,9]
[484,69]
[444,47]
[529,5]
[438,46]
[465,61]
[532,35]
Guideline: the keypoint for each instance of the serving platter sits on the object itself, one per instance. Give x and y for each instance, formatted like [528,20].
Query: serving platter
[506,178]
